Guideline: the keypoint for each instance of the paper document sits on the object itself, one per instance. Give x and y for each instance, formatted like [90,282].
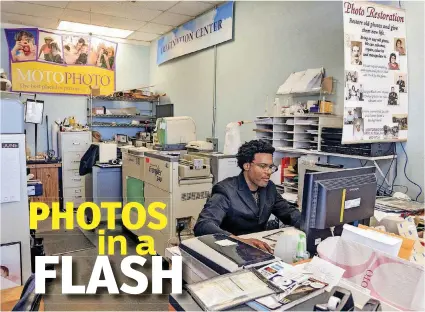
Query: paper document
[10,169]
[325,271]
[225,242]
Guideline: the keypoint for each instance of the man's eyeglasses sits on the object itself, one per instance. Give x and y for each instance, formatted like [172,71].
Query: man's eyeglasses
[272,168]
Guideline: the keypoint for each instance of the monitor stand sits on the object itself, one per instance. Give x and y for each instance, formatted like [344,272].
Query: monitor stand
[316,236]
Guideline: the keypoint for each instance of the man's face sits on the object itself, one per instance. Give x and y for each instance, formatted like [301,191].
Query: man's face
[358,128]
[355,52]
[258,175]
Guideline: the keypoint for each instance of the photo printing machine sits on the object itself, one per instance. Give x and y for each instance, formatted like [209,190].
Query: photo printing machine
[181,182]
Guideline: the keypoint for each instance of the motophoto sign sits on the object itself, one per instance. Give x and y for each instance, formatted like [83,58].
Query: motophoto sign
[209,29]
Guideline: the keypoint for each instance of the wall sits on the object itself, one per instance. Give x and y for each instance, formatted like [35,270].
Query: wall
[272,39]
[132,71]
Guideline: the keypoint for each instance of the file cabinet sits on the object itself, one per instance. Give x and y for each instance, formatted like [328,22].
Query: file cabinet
[72,147]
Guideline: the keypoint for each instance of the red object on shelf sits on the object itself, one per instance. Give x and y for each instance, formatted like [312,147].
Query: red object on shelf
[285,161]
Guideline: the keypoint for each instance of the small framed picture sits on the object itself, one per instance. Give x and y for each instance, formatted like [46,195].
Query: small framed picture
[10,265]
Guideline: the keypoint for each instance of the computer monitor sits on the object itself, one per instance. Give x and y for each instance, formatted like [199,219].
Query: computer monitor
[165,110]
[332,199]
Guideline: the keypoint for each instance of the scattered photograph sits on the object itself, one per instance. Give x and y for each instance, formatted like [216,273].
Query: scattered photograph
[75,50]
[356,52]
[400,45]
[10,265]
[391,131]
[358,129]
[401,120]
[50,47]
[354,92]
[393,96]
[351,76]
[393,63]
[400,79]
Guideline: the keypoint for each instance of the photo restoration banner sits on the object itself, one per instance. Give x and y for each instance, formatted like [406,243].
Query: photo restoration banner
[211,28]
[48,62]
[375,79]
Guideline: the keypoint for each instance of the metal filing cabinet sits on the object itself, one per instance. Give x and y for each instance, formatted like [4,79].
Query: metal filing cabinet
[72,147]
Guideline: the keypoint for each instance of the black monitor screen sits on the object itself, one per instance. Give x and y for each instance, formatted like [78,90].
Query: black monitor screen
[165,110]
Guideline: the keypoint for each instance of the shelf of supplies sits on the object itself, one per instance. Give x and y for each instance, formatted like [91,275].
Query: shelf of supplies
[307,93]
[305,124]
[126,99]
[119,125]
[263,130]
[315,152]
[120,116]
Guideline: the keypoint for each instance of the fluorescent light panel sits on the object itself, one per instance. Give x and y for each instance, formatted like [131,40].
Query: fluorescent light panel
[95,30]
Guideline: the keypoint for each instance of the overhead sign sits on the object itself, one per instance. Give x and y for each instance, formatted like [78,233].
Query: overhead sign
[375,79]
[46,62]
[209,29]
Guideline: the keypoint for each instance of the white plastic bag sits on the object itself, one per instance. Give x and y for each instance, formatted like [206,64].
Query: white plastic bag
[232,140]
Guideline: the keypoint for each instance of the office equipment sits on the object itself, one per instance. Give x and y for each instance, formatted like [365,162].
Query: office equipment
[107,151]
[392,204]
[72,146]
[339,300]
[169,178]
[175,130]
[200,146]
[164,110]
[331,199]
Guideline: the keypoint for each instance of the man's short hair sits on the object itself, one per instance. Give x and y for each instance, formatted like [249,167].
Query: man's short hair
[247,151]
[5,269]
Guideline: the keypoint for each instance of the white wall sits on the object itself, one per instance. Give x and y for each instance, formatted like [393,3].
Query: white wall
[132,71]
[272,39]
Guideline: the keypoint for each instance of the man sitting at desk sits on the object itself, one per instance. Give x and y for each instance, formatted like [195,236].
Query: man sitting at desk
[243,204]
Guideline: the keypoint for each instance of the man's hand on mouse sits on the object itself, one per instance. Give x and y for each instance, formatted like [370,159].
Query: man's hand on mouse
[256,243]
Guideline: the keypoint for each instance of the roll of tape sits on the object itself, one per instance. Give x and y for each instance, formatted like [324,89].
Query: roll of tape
[333,303]
[114,162]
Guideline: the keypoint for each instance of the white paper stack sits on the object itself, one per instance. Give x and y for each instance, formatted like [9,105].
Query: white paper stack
[303,81]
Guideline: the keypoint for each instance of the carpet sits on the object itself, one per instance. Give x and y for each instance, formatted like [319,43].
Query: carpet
[64,241]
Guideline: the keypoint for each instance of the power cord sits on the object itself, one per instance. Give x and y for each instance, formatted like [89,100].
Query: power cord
[405,166]
[180,228]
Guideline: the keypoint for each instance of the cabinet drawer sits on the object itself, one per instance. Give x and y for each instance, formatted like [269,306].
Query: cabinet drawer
[75,142]
[76,200]
[71,160]
[74,191]
[72,178]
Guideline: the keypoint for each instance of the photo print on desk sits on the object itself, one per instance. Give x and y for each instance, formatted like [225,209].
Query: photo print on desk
[400,79]
[10,265]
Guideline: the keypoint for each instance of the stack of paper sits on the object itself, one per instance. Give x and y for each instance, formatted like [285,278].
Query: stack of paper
[303,81]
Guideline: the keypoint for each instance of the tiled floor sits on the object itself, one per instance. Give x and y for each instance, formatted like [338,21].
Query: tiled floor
[102,301]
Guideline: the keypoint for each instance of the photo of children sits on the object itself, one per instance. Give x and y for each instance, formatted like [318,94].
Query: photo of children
[401,120]
[75,50]
[102,53]
[401,81]
[22,44]
[356,53]
[393,96]
[400,45]
[391,131]
[393,61]
[354,92]
[350,76]
[50,48]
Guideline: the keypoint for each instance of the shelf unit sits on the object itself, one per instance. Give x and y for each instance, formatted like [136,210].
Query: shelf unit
[106,124]
[295,131]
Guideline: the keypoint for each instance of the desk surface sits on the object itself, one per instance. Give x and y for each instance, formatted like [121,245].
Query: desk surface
[9,298]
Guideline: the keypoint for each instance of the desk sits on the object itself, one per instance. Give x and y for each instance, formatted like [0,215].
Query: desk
[48,174]
[9,298]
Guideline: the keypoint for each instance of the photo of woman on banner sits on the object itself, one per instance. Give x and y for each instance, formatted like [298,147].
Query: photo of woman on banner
[399,43]
[393,65]
[74,47]
[51,50]
[102,53]
[22,44]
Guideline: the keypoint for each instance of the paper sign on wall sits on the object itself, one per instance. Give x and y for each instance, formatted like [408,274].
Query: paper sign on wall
[375,78]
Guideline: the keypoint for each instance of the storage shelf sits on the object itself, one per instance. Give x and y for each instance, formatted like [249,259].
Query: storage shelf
[119,126]
[307,93]
[313,152]
[120,116]
[126,99]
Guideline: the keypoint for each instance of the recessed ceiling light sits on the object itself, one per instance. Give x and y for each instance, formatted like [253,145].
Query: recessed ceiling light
[95,30]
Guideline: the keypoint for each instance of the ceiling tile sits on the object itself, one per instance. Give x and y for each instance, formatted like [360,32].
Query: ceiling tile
[191,8]
[153,28]
[171,19]
[75,16]
[115,22]
[137,35]
[156,5]
[30,9]
[82,5]
[33,21]
[56,4]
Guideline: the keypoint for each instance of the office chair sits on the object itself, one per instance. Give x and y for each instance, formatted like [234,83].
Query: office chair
[29,301]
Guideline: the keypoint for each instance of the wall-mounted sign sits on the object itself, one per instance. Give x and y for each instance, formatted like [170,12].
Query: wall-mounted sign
[46,62]
[211,28]
[376,82]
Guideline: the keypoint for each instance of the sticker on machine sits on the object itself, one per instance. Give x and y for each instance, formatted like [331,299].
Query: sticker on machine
[352,203]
